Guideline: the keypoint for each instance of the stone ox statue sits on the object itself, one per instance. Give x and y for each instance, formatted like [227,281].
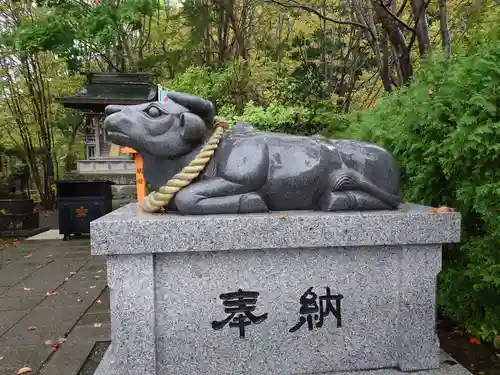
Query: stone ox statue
[252,171]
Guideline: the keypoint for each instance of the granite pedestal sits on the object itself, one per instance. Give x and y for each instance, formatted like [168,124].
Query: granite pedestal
[268,294]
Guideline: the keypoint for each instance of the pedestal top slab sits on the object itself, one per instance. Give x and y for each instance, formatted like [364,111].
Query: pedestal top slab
[129,230]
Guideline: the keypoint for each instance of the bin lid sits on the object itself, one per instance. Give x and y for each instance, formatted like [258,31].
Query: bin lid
[84,182]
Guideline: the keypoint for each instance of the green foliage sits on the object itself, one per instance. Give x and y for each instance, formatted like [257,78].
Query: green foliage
[290,119]
[74,29]
[228,85]
[279,105]
[445,131]
[275,118]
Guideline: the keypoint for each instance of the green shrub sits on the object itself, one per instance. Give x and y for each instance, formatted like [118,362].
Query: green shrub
[286,118]
[444,129]
[275,118]
[227,86]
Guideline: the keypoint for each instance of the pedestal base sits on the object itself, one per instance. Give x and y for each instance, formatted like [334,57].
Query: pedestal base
[22,233]
[280,293]
[447,366]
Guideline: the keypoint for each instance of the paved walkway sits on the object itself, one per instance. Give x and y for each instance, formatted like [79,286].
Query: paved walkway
[54,306]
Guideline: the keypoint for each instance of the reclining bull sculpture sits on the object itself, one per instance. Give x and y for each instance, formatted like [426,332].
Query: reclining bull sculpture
[252,171]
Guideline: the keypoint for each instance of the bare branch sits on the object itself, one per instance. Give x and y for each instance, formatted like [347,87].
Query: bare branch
[295,4]
[402,8]
[399,20]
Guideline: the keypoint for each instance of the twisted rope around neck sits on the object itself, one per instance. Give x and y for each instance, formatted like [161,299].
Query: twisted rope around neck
[157,200]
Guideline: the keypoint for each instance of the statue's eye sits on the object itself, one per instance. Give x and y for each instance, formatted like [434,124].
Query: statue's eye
[154,112]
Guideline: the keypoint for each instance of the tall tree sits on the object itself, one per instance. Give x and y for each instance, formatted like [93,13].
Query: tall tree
[27,93]
[390,37]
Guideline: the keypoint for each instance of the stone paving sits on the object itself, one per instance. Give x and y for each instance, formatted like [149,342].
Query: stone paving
[52,293]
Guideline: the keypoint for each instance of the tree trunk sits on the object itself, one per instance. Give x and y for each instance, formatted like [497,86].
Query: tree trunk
[397,39]
[419,8]
[386,70]
[365,17]
[70,158]
[443,27]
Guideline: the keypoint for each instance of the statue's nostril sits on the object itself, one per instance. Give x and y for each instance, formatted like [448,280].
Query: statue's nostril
[110,109]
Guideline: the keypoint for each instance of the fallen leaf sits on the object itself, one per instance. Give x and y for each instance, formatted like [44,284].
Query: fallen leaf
[92,286]
[496,342]
[23,370]
[27,289]
[29,255]
[284,217]
[474,340]
[441,210]
[32,328]
[444,210]
[98,301]
[51,294]
[97,325]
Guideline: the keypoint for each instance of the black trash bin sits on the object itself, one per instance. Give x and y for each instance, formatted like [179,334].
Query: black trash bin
[80,202]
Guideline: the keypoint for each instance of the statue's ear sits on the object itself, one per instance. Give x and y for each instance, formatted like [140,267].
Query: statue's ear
[214,104]
[199,106]
[193,129]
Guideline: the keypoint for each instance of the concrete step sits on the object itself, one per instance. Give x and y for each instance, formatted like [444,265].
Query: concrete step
[106,165]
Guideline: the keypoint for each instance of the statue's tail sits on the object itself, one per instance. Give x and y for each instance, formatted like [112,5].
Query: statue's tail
[353,180]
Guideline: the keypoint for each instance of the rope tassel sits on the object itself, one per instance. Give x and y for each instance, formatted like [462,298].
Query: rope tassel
[156,200]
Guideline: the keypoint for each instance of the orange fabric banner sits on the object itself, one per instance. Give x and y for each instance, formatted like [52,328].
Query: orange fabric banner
[140,182]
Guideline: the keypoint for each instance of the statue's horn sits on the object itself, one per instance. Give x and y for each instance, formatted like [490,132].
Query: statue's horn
[202,107]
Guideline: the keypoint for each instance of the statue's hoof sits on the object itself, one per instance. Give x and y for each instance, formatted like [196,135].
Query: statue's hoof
[252,202]
[337,201]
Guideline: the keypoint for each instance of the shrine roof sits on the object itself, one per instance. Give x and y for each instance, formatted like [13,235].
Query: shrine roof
[102,89]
